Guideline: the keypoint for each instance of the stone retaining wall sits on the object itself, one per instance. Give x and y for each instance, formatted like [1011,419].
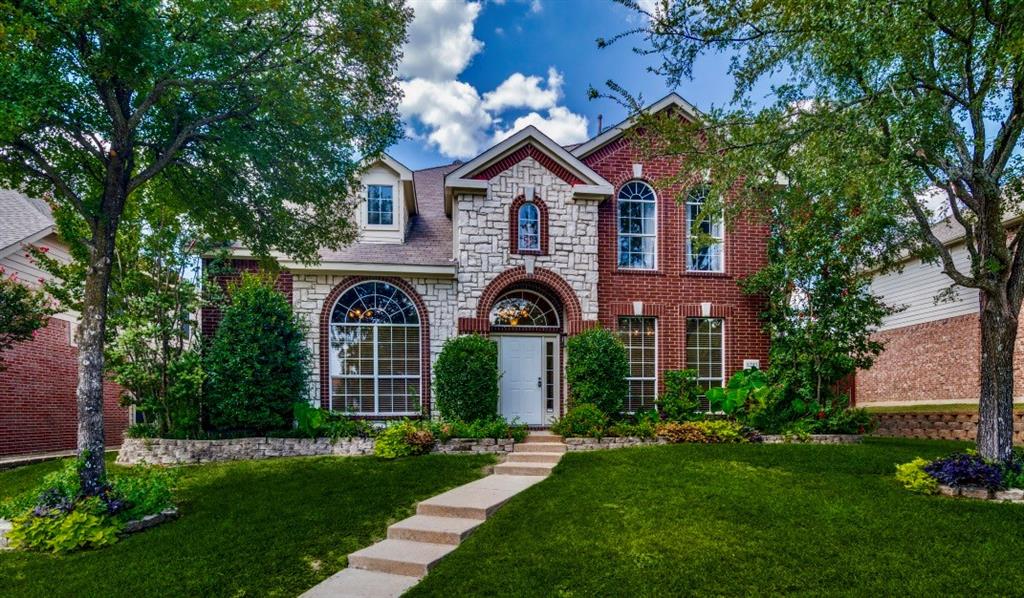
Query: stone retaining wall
[597,444]
[162,451]
[813,439]
[939,425]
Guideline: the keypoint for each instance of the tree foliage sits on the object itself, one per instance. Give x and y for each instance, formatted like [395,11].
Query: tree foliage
[466,379]
[252,118]
[23,311]
[896,99]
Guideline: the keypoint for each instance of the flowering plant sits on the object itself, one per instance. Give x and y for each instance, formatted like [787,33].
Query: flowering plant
[962,469]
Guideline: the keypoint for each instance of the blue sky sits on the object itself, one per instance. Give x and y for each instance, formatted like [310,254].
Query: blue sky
[475,71]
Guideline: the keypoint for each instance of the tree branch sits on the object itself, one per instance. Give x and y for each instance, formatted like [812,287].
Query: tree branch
[944,255]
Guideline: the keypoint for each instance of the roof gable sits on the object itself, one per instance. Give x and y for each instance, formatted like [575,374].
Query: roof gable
[672,100]
[473,176]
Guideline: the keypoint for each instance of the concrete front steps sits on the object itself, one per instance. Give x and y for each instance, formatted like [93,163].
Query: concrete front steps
[414,545]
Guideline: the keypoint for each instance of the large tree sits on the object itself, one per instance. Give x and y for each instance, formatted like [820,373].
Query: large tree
[913,95]
[252,117]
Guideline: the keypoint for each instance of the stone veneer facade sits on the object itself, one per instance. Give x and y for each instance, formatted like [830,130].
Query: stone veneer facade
[483,239]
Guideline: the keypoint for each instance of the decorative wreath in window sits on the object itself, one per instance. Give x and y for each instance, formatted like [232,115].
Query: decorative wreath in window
[524,308]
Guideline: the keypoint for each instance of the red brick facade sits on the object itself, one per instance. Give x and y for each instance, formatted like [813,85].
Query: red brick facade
[934,361]
[210,317]
[671,293]
[527,151]
[38,410]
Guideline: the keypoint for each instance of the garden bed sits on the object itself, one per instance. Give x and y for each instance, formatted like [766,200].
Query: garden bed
[131,527]
[165,451]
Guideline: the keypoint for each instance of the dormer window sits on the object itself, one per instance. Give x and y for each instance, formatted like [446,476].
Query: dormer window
[529,227]
[380,205]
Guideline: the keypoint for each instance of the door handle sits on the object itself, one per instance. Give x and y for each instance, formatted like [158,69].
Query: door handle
[538,382]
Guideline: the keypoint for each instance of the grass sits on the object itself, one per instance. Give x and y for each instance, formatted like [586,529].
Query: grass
[738,519]
[257,528]
[944,408]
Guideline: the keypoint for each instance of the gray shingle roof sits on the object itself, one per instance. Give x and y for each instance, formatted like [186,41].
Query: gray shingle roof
[21,217]
[429,239]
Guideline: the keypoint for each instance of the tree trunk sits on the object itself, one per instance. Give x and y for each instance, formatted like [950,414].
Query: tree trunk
[995,410]
[91,336]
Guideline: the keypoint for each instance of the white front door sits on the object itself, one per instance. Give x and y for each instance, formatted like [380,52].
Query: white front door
[522,378]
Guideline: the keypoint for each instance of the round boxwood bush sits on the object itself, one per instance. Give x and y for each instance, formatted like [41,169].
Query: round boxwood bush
[596,369]
[466,379]
[584,420]
[257,365]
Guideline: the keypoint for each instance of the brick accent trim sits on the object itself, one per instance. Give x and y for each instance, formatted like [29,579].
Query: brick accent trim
[543,280]
[325,320]
[528,151]
[513,226]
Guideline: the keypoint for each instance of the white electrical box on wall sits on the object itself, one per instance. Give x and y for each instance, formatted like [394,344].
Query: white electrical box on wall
[751,364]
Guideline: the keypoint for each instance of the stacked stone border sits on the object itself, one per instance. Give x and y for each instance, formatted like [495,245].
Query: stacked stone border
[597,444]
[164,451]
[1015,495]
[939,425]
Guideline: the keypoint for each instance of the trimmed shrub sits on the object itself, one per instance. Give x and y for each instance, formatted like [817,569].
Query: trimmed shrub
[495,427]
[257,365]
[583,420]
[404,439]
[708,432]
[596,369]
[466,379]
[681,398]
[914,478]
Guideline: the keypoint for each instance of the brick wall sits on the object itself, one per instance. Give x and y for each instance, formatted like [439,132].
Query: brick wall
[37,396]
[939,426]
[937,361]
[211,316]
[671,293]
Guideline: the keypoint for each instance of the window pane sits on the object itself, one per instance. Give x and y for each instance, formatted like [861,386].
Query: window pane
[640,337]
[379,205]
[704,349]
[637,225]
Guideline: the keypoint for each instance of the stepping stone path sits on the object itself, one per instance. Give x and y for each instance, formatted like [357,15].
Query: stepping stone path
[414,545]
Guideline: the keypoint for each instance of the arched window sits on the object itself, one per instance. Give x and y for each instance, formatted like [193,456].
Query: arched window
[637,226]
[375,351]
[529,227]
[705,234]
[523,308]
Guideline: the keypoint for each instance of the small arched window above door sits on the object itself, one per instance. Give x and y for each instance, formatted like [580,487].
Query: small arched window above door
[529,227]
[524,308]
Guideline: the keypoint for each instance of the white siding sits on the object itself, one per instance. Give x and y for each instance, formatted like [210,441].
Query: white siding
[916,288]
[29,273]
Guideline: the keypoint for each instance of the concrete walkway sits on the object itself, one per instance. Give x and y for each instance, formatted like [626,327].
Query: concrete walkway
[414,545]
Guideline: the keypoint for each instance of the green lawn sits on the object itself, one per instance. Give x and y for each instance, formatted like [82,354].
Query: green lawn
[738,519]
[946,408]
[274,527]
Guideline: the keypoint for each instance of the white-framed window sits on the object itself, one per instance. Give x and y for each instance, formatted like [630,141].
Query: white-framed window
[705,234]
[524,308]
[705,350]
[640,335]
[375,351]
[380,205]
[638,226]
[528,222]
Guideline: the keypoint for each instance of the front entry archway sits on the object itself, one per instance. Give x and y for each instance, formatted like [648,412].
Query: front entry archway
[526,324]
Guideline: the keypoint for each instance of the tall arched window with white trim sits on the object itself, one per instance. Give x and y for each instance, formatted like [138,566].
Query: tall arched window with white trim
[375,351]
[638,237]
[705,234]
[528,221]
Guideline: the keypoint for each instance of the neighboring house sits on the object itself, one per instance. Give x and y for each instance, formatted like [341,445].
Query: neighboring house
[529,243]
[933,344]
[38,410]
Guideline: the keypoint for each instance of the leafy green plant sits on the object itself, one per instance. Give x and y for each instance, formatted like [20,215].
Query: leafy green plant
[914,478]
[596,369]
[681,399]
[640,429]
[257,364]
[23,310]
[583,420]
[313,422]
[466,379]
[706,431]
[495,427]
[62,532]
[403,439]
[743,387]
[144,491]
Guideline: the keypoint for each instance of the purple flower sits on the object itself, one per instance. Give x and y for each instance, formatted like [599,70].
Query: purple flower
[965,470]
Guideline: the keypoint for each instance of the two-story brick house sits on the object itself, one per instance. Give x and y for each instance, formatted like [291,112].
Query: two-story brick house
[529,243]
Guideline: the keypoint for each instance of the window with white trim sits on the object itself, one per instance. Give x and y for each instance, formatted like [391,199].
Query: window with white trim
[705,350]
[705,234]
[637,207]
[528,221]
[640,335]
[375,351]
[523,307]
[380,205]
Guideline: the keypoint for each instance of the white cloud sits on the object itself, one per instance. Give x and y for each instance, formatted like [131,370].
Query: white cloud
[441,42]
[520,91]
[452,115]
[561,124]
